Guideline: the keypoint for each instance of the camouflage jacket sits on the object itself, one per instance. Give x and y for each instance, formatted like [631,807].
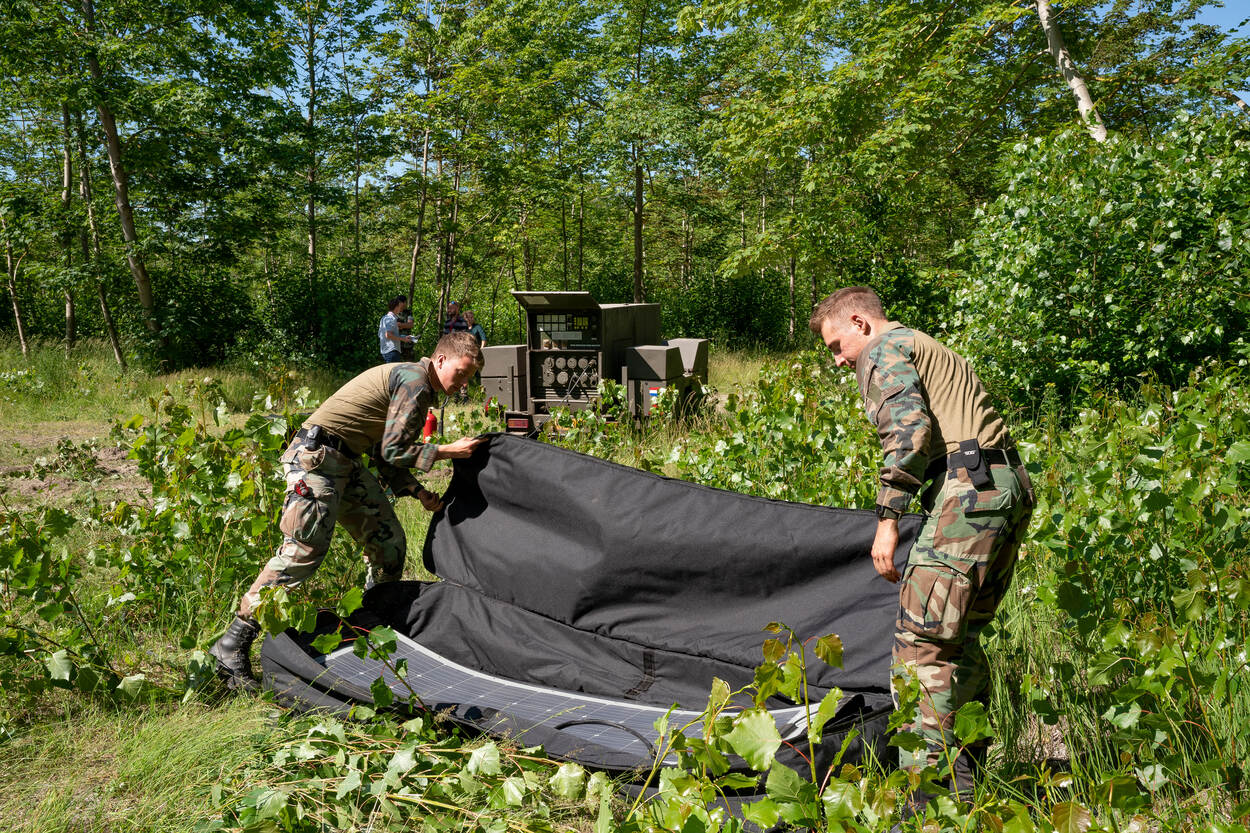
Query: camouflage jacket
[382,411]
[923,398]
[399,450]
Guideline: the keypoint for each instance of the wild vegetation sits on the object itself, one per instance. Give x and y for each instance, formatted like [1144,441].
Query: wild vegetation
[205,203]
[1119,661]
[251,179]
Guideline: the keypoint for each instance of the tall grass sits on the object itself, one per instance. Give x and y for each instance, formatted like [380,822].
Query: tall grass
[87,385]
[97,770]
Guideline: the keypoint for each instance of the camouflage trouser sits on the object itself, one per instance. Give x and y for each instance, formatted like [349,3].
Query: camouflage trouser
[958,573]
[322,487]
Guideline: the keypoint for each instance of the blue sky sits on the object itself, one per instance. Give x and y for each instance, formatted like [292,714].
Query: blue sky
[1232,15]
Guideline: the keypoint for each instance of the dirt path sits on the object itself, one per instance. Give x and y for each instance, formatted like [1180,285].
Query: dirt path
[51,462]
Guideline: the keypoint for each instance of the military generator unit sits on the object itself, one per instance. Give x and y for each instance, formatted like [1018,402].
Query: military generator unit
[573,342]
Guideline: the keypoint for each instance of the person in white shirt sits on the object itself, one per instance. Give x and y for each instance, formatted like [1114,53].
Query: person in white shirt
[389,336]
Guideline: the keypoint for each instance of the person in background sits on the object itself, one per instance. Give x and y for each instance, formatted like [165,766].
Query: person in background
[390,337]
[455,321]
[475,328]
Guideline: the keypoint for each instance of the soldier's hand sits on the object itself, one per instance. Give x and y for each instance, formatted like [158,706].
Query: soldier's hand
[429,500]
[883,545]
[460,449]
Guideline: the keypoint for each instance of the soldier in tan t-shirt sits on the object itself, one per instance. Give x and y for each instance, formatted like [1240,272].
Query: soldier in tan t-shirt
[381,411]
[936,424]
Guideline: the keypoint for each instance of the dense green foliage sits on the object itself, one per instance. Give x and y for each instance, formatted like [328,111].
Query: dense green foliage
[1102,266]
[244,183]
[290,164]
[1120,657]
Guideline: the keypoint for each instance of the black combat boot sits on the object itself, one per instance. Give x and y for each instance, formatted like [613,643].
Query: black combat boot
[916,805]
[233,652]
[967,770]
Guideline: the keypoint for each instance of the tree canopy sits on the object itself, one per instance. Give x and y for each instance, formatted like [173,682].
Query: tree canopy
[255,177]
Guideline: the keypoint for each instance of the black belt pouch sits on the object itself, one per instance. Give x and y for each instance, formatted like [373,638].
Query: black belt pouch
[971,458]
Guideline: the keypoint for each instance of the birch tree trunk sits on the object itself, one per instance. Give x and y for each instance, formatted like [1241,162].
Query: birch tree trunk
[581,224]
[418,244]
[67,239]
[121,190]
[12,265]
[92,255]
[453,238]
[311,62]
[639,295]
[1059,51]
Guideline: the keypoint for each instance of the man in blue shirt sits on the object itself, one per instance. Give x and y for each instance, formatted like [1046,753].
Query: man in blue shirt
[389,338]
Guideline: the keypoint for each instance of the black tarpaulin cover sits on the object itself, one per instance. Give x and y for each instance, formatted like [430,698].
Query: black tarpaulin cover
[563,571]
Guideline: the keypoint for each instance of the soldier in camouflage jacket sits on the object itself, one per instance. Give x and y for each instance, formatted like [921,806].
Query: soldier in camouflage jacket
[381,411]
[929,407]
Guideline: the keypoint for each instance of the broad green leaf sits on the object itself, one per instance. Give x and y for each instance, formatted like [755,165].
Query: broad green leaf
[349,784]
[910,741]
[269,803]
[737,781]
[327,642]
[485,760]
[349,603]
[382,642]
[133,685]
[1070,817]
[597,785]
[567,781]
[402,761]
[829,650]
[764,813]
[60,667]
[755,738]
[774,650]
[717,697]
[383,697]
[604,823]
[842,800]
[972,723]
[1125,716]
[1238,452]
[824,713]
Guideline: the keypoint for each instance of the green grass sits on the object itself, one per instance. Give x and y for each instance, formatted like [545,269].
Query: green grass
[728,369]
[135,769]
[87,387]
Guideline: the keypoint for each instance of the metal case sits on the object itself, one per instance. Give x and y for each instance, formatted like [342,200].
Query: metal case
[572,343]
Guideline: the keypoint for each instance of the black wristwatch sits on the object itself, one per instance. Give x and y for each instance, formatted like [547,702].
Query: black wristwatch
[885,513]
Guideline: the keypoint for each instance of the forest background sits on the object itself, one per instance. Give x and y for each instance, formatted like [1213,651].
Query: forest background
[208,181]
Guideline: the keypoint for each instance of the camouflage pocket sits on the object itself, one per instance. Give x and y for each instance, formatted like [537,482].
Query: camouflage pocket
[969,521]
[305,514]
[310,460]
[933,602]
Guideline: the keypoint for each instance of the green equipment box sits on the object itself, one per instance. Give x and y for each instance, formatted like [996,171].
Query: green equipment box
[572,343]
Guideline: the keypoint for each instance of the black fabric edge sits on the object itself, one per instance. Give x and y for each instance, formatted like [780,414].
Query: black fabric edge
[284,656]
[684,483]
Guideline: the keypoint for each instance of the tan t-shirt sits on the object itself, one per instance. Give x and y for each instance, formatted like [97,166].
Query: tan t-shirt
[924,399]
[358,412]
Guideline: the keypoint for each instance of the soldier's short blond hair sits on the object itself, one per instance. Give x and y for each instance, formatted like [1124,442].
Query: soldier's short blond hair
[460,343]
[848,299]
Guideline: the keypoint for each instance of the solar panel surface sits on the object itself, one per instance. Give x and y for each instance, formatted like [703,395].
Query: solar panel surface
[440,683]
